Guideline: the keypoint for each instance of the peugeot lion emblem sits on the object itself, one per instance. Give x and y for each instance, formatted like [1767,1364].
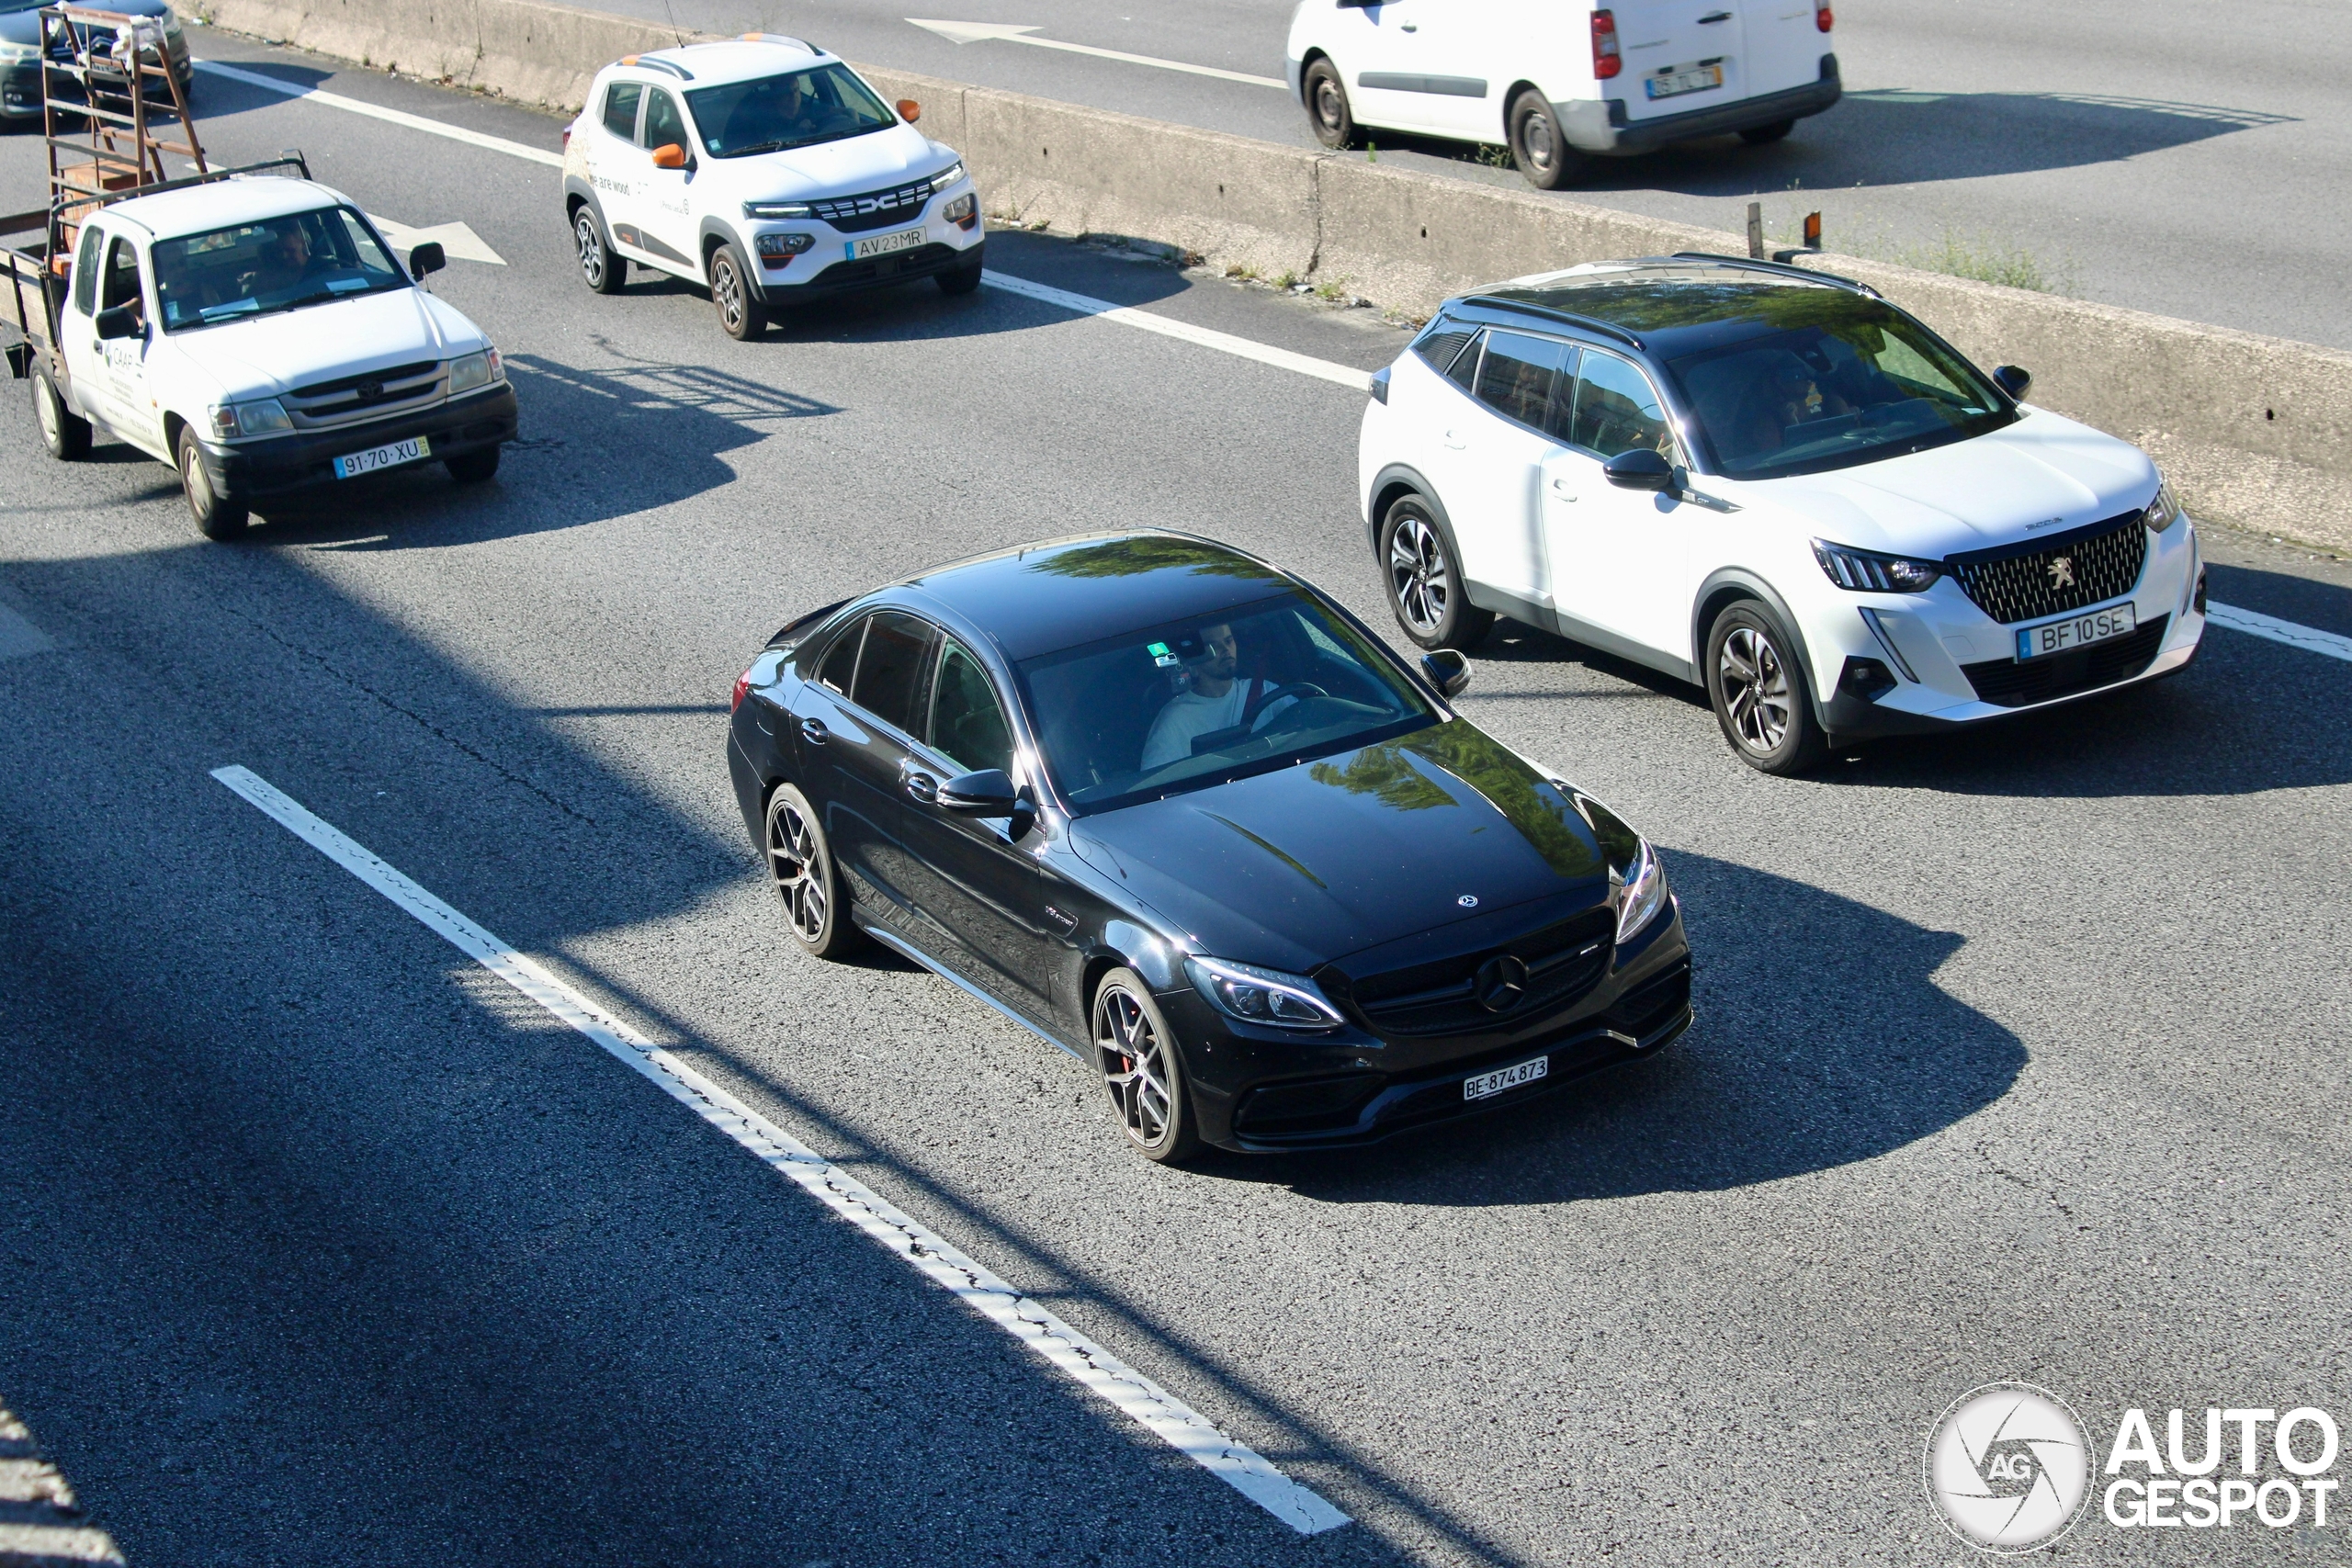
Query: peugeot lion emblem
[2062,573]
[1499,983]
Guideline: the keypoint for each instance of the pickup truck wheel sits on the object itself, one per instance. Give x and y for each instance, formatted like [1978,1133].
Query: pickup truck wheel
[216,517]
[599,267]
[740,314]
[472,467]
[63,432]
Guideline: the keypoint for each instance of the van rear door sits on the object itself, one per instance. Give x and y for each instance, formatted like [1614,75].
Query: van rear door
[1784,45]
[1680,55]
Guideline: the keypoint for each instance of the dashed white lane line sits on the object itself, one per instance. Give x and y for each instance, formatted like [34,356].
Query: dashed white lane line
[1223,343]
[982,32]
[1084,1362]
[2256,623]
[377,111]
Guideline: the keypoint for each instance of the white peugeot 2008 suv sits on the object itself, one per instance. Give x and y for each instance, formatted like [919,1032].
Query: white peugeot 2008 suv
[1774,483]
[767,169]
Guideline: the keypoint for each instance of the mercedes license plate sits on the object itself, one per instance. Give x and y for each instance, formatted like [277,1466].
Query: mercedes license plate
[392,455]
[884,244]
[1489,1084]
[1690,79]
[2076,631]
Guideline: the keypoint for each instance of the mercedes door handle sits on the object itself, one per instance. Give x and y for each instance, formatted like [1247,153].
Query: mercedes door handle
[812,731]
[920,785]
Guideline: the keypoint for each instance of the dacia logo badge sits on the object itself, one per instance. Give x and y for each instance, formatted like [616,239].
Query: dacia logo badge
[2062,573]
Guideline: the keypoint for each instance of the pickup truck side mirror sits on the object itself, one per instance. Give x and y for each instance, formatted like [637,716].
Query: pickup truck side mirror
[1640,468]
[2013,379]
[1447,671]
[119,321]
[428,256]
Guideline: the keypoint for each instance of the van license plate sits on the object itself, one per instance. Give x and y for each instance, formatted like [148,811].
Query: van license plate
[389,456]
[1486,1084]
[883,245]
[1691,79]
[2076,631]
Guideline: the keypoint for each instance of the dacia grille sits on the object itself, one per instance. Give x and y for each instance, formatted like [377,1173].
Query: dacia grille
[2049,577]
[875,209]
[1560,962]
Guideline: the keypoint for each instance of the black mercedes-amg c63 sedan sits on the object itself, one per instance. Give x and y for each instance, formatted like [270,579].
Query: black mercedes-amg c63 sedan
[1180,814]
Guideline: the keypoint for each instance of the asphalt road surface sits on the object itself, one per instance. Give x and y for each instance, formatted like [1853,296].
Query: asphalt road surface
[2153,153]
[2017,1056]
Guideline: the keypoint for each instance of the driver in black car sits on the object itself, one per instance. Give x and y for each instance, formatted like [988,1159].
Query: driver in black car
[1212,700]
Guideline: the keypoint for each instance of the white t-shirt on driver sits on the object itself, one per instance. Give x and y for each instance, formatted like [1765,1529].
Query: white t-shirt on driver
[1188,714]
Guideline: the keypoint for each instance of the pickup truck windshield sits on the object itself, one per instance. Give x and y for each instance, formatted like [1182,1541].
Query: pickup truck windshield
[270,264]
[795,109]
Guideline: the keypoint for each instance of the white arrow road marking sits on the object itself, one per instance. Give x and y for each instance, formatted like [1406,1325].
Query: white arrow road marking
[457,242]
[1223,343]
[1135,1396]
[2255,623]
[997,33]
[378,111]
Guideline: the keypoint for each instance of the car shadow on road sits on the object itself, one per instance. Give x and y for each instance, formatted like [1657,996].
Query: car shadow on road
[1822,1040]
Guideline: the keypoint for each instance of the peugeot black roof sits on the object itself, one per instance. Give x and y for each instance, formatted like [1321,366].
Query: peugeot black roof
[1669,306]
[1068,593]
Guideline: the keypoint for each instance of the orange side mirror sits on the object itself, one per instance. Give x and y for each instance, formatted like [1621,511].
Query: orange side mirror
[670,155]
[909,110]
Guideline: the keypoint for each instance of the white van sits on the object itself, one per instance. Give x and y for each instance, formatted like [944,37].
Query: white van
[1559,83]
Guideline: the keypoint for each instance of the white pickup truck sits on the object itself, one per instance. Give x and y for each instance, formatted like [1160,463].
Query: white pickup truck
[259,335]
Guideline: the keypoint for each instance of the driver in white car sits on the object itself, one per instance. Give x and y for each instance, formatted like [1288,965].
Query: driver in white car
[1212,699]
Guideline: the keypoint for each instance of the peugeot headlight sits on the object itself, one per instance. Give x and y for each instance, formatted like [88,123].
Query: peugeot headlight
[1641,892]
[1261,996]
[262,416]
[942,181]
[475,370]
[2163,512]
[1866,572]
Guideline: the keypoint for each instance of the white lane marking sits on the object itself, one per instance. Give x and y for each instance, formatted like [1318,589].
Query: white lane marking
[1134,1395]
[1223,343]
[2256,623]
[378,111]
[998,32]
[458,241]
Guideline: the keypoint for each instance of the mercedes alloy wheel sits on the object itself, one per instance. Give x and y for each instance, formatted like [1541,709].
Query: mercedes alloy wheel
[1141,1070]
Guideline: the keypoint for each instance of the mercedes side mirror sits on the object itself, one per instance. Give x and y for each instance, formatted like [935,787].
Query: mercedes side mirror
[1447,671]
[1640,468]
[2013,379]
[909,110]
[426,257]
[987,793]
[119,321]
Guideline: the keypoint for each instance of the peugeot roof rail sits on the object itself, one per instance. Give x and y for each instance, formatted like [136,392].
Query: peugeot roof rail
[1784,269]
[1606,329]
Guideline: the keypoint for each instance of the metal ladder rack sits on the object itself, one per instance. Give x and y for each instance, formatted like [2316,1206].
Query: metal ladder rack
[100,68]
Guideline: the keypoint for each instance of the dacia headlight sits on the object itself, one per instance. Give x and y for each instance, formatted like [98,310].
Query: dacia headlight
[262,416]
[1867,571]
[1261,996]
[768,209]
[2163,512]
[942,181]
[1641,892]
[475,370]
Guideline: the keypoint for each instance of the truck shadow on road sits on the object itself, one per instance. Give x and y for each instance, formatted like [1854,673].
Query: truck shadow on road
[1781,1077]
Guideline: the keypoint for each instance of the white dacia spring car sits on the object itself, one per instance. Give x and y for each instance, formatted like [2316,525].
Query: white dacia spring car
[768,170]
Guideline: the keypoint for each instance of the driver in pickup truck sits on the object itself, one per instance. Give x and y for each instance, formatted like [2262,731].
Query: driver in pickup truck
[288,261]
[1212,699]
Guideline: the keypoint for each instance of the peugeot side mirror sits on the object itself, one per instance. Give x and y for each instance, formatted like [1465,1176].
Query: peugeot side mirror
[1640,468]
[428,256]
[117,321]
[669,155]
[987,793]
[2013,379]
[909,110]
[1447,671]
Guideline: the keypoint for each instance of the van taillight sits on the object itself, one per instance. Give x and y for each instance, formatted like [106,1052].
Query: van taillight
[1606,61]
[1822,19]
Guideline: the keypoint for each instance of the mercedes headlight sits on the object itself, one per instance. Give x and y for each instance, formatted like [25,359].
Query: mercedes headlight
[475,371]
[1261,996]
[18,53]
[1641,892]
[2163,512]
[262,416]
[1866,572]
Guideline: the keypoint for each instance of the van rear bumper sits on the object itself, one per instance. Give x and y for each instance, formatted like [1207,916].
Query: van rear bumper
[1599,125]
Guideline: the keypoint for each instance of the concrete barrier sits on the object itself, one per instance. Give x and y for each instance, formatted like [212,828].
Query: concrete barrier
[2256,431]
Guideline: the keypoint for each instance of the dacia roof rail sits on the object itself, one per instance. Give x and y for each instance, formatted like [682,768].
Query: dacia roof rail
[799,43]
[1589,323]
[650,63]
[1784,269]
